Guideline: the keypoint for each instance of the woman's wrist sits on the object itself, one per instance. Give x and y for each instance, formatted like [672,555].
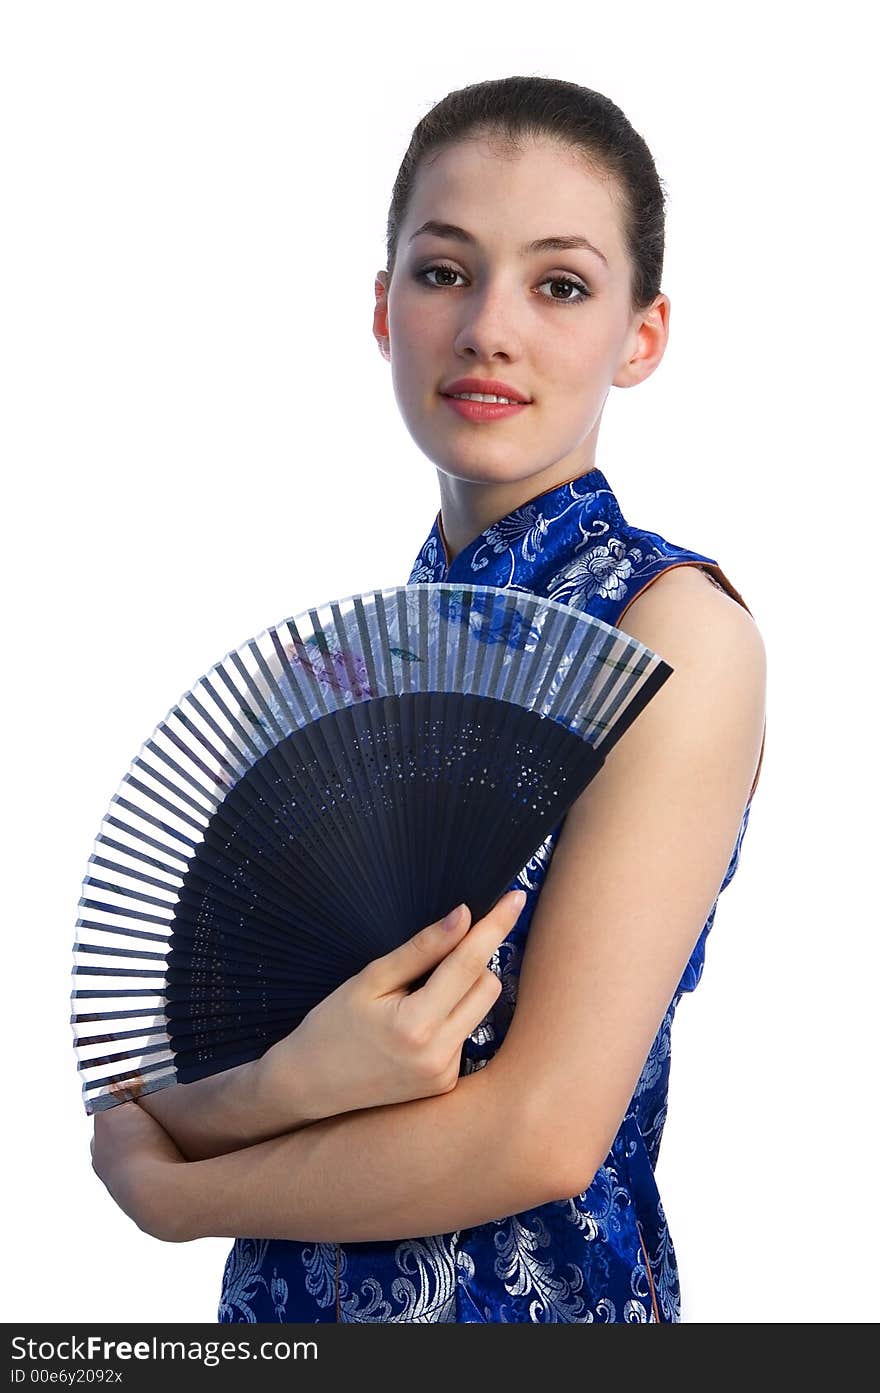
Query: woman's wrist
[269,1098]
[241,1106]
[284,1087]
[222,1112]
[177,1202]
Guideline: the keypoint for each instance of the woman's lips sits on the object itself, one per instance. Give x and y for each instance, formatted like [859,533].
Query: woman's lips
[484,410]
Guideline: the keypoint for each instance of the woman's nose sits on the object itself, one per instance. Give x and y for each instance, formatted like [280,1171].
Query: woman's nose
[488,328]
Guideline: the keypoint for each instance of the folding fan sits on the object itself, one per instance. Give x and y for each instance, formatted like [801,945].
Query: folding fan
[325,791]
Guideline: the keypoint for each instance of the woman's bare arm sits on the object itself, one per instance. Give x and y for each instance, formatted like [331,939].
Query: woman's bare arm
[430,1165]
[371,1042]
[231,1110]
[638,865]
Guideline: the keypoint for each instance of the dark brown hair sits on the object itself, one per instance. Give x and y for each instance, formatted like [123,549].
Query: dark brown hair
[510,110]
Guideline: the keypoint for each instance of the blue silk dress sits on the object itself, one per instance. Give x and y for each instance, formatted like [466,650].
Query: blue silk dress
[605,1254]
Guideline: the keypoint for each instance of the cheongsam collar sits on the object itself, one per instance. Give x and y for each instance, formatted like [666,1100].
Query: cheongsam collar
[553,544]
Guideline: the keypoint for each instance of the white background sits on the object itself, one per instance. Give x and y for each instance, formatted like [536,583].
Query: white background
[199,438]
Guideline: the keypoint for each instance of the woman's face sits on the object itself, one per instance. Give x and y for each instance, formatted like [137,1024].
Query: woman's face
[555,324]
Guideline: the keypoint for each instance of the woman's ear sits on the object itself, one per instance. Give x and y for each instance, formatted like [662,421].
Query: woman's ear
[646,344]
[380,315]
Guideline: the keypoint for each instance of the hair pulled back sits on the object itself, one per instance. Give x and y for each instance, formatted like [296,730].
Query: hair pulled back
[511,110]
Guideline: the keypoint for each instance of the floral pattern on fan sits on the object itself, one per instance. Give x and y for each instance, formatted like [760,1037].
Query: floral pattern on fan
[341,671]
[333,669]
[512,627]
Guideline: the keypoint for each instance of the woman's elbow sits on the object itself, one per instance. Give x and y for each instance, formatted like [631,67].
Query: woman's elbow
[550,1164]
[565,1169]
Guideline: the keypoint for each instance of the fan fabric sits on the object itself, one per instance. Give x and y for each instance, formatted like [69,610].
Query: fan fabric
[605,1254]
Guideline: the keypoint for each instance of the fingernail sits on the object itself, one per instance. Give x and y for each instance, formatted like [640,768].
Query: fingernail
[452,917]
[520,899]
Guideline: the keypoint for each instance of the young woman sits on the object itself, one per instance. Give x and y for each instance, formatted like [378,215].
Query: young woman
[525,250]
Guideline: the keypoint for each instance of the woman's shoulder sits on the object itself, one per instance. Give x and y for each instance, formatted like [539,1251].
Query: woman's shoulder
[697,626]
[696,623]
[717,698]
[686,596]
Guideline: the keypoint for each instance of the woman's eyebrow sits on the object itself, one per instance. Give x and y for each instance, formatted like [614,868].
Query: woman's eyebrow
[542,244]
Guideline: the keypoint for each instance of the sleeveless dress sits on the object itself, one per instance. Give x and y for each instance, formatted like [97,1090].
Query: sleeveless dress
[605,1254]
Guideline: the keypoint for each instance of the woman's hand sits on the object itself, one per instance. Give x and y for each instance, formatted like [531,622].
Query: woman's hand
[374,1042]
[137,1161]
[371,1042]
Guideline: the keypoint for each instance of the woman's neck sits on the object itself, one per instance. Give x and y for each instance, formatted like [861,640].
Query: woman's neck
[468,507]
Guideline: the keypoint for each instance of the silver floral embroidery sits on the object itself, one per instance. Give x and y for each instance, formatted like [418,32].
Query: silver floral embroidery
[427,563]
[319,1262]
[609,1199]
[484,1032]
[526,525]
[657,1056]
[635,1312]
[523,1271]
[529,527]
[667,1284]
[603,571]
[373,1308]
[505,962]
[535,868]
[640,1309]
[278,1292]
[424,1295]
[242,1279]
[652,1131]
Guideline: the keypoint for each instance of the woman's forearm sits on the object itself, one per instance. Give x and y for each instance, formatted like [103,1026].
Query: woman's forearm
[432,1165]
[231,1110]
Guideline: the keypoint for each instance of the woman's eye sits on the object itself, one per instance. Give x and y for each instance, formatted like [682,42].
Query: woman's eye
[570,284]
[446,270]
[567,281]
